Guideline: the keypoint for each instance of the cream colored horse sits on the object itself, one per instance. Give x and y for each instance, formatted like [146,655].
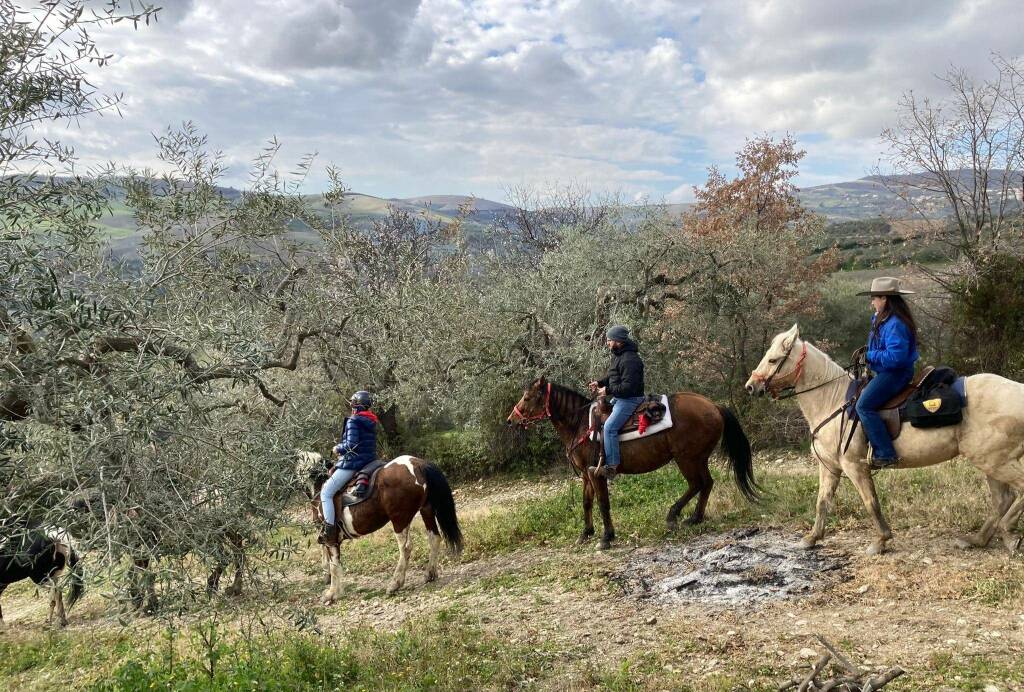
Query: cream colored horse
[991,436]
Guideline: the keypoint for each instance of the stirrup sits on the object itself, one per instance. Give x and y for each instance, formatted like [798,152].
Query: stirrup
[879,464]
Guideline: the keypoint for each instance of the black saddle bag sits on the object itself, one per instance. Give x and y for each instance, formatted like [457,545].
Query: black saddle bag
[655,410]
[935,408]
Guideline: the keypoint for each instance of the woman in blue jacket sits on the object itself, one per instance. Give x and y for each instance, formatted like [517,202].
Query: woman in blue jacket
[358,447]
[891,354]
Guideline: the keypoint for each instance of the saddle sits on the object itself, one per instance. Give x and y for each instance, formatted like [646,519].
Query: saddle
[894,411]
[653,409]
[368,475]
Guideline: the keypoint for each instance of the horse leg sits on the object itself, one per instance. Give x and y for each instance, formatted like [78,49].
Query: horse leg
[1002,497]
[213,581]
[404,550]
[236,584]
[334,568]
[828,481]
[705,484]
[860,474]
[434,539]
[57,600]
[1009,520]
[606,513]
[588,508]
[239,563]
[692,487]
[325,562]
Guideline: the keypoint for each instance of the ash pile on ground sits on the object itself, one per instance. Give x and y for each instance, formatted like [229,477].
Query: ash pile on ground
[740,567]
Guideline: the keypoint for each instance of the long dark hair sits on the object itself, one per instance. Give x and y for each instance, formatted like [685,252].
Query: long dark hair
[895,305]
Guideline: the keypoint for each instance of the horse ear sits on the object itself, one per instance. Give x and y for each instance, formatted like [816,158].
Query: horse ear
[792,335]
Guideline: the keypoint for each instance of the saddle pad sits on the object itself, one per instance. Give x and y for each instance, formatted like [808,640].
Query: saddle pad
[664,424]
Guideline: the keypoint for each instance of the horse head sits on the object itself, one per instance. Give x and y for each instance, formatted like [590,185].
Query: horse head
[534,405]
[781,366]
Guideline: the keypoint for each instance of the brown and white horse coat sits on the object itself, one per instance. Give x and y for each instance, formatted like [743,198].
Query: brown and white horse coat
[404,487]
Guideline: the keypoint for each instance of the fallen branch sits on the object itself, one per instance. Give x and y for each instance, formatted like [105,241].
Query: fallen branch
[846,677]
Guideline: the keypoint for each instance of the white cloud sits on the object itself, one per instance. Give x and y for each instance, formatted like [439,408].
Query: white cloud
[636,96]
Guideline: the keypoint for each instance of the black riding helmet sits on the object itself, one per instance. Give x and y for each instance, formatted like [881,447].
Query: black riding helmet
[361,400]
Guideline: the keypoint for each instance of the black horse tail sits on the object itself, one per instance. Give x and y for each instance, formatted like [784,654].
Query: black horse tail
[75,577]
[737,447]
[439,495]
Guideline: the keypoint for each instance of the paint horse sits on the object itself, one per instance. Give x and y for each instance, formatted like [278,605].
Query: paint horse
[991,436]
[43,557]
[402,488]
[698,426]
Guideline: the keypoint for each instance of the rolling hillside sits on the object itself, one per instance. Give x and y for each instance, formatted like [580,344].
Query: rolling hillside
[853,208]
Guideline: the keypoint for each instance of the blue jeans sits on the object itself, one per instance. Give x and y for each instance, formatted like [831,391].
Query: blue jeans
[883,387]
[331,487]
[622,409]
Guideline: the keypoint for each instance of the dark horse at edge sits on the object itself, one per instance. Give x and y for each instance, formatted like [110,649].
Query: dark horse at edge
[698,424]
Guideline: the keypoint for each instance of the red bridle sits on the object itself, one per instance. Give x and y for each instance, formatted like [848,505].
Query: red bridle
[795,372]
[525,420]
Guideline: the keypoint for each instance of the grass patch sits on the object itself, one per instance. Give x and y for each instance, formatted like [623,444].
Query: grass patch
[443,652]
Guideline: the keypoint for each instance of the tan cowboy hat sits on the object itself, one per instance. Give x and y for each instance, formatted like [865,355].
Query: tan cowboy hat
[886,286]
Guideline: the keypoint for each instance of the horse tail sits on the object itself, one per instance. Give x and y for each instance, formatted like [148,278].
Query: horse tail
[737,448]
[439,495]
[75,577]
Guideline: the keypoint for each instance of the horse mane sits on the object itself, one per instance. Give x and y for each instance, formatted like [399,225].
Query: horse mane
[571,405]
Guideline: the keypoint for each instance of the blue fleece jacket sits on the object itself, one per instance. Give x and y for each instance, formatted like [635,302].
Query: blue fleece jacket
[893,348]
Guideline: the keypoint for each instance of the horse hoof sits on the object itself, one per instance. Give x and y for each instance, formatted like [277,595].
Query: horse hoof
[1012,543]
[605,544]
[875,549]
[671,526]
[431,576]
[694,521]
[807,543]
[965,544]
[393,589]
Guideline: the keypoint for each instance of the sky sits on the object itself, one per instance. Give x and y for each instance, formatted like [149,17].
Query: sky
[631,97]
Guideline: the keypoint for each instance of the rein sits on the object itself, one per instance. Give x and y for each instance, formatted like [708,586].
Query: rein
[790,395]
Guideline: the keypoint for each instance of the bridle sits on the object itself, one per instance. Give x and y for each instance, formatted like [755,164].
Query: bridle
[798,370]
[525,421]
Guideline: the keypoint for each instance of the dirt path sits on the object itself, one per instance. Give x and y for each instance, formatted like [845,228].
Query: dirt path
[925,606]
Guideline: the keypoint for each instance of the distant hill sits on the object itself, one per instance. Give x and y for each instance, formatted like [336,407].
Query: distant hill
[875,196]
[842,204]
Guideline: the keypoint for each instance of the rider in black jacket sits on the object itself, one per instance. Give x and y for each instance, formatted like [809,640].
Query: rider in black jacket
[625,384]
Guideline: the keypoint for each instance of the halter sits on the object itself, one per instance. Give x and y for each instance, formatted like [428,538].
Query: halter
[798,370]
[525,421]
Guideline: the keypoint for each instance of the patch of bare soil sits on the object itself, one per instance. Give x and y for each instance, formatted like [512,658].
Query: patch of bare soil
[741,567]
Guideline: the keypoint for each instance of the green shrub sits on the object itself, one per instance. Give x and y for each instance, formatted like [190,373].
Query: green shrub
[988,309]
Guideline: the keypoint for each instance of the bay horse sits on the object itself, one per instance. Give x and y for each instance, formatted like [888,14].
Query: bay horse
[43,557]
[402,488]
[698,424]
[991,436]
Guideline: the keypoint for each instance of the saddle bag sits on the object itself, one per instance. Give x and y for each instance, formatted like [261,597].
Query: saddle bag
[939,406]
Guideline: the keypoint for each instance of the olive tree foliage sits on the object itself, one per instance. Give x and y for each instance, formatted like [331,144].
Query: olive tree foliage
[746,268]
[165,392]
